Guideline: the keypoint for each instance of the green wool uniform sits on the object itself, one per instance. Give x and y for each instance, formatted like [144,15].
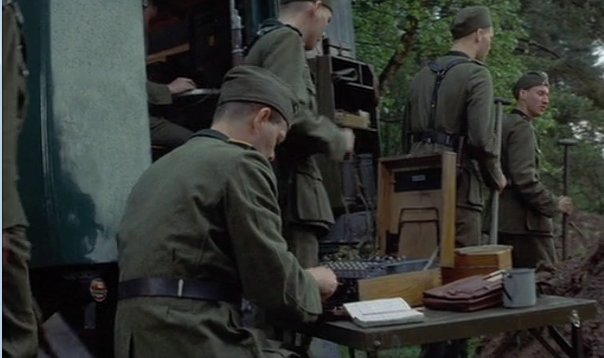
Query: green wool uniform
[163,132]
[304,201]
[525,205]
[19,333]
[465,111]
[208,213]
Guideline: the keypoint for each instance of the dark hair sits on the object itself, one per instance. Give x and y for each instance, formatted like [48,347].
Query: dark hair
[241,109]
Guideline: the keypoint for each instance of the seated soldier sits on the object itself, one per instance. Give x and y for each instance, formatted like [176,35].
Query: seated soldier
[202,229]
[163,132]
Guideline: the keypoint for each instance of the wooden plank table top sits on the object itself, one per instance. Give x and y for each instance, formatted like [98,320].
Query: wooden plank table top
[445,325]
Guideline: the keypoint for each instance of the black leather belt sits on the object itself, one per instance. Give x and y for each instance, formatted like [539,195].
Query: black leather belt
[178,288]
[449,140]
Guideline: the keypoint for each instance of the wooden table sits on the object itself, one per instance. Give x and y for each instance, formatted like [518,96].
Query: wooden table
[443,325]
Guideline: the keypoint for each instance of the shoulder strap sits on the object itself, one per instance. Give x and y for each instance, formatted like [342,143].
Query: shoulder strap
[440,76]
[265,28]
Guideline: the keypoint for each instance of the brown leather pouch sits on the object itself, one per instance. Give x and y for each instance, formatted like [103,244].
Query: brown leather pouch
[466,295]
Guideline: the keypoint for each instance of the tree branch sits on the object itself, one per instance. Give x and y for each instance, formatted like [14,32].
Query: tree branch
[408,39]
[541,47]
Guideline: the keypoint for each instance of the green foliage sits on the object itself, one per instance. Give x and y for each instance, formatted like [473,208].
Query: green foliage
[380,25]
[560,43]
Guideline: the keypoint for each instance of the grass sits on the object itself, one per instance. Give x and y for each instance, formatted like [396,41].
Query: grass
[409,352]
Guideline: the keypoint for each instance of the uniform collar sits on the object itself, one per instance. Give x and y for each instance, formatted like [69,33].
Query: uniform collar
[521,114]
[458,53]
[212,133]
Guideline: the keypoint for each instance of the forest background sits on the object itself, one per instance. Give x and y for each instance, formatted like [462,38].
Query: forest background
[560,37]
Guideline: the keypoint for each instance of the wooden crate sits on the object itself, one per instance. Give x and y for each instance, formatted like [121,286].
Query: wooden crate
[416,206]
[487,255]
[410,286]
[478,260]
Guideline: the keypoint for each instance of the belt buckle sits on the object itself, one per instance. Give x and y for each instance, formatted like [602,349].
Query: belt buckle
[181,284]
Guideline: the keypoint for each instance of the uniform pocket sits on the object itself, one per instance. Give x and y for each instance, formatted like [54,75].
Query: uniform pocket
[312,202]
[538,223]
[469,187]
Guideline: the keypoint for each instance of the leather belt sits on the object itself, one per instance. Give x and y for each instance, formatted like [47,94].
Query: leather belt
[449,140]
[178,288]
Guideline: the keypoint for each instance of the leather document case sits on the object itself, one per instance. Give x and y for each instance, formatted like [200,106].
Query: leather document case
[466,295]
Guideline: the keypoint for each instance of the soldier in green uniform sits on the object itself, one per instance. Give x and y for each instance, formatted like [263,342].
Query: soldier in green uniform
[202,229]
[450,108]
[19,331]
[280,47]
[163,132]
[526,206]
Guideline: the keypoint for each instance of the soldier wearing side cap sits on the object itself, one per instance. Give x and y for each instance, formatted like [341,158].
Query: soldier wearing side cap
[202,229]
[450,108]
[280,47]
[526,206]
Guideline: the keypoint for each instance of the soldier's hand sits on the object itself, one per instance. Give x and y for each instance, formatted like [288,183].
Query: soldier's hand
[326,279]
[565,205]
[180,85]
[349,139]
[502,182]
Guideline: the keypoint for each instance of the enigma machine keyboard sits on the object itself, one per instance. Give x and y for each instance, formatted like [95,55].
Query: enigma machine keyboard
[350,272]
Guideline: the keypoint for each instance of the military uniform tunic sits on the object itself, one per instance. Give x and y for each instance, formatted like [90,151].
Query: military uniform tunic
[525,205]
[14,96]
[19,334]
[304,200]
[464,108]
[163,132]
[207,211]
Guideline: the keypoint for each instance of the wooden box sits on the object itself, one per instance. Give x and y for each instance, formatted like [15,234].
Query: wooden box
[416,206]
[487,255]
[410,286]
[478,260]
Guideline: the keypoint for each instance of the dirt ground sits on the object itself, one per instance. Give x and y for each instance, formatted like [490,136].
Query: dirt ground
[581,276]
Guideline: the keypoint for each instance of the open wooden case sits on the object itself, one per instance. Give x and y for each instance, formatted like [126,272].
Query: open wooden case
[416,220]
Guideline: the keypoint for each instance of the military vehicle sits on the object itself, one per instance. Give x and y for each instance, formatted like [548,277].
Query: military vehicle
[86,139]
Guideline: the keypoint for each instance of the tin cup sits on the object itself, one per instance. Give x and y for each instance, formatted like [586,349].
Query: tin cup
[519,288]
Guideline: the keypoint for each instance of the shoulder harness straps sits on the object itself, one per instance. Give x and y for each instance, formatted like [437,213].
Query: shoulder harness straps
[440,72]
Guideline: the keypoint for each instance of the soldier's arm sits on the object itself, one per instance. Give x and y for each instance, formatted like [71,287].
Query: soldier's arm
[309,132]
[481,141]
[523,173]
[158,93]
[270,275]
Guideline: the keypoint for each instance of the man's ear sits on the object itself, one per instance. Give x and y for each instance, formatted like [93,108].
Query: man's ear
[261,118]
[522,94]
[477,35]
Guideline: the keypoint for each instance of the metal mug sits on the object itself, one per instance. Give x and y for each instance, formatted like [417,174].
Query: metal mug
[519,289]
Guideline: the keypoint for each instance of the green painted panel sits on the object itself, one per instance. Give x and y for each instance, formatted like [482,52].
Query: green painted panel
[86,139]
